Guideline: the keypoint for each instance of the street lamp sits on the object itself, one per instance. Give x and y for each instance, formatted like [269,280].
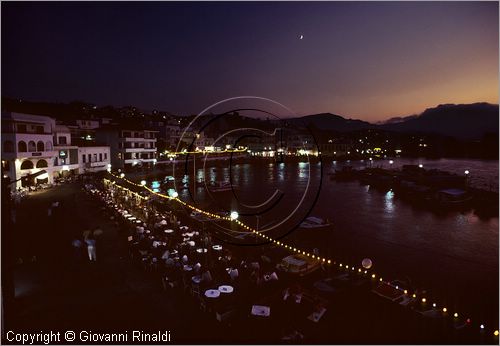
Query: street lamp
[122,175]
[391,162]
[420,166]
[466,172]
[143,182]
[234,215]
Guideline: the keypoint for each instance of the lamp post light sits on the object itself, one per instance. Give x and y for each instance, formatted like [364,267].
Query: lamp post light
[234,215]
[420,166]
[143,182]
[122,175]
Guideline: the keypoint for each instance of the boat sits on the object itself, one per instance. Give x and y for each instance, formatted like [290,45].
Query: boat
[314,222]
[222,186]
[452,197]
[298,265]
[199,216]
[344,174]
[394,292]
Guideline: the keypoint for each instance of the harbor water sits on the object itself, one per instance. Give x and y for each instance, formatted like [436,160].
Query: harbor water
[453,255]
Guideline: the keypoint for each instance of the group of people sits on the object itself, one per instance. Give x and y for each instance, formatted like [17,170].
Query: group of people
[183,257]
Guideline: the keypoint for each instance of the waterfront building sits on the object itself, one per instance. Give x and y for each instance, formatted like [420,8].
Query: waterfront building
[66,158]
[27,148]
[36,150]
[130,146]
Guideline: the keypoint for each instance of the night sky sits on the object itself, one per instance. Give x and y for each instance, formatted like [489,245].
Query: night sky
[369,61]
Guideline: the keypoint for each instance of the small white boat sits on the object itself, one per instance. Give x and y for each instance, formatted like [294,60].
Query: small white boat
[298,264]
[199,216]
[314,222]
[222,186]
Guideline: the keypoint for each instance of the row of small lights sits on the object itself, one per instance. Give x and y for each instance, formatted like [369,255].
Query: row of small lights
[234,217]
[206,151]
[125,189]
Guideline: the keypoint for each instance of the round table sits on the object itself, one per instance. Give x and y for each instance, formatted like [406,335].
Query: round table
[190,243]
[187,268]
[169,231]
[212,293]
[196,279]
[217,247]
[226,289]
[201,250]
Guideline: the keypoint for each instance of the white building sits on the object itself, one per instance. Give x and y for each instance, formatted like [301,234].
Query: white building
[27,147]
[129,147]
[66,159]
[94,159]
[34,144]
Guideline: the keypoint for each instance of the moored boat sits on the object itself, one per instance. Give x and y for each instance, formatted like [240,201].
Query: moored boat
[222,186]
[298,264]
[314,222]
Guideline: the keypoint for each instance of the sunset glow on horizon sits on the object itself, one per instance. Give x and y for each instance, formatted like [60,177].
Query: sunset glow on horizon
[361,60]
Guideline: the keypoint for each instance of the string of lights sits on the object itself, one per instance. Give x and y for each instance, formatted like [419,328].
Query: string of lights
[365,271]
[206,151]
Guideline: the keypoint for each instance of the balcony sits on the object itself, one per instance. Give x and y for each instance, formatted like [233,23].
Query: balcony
[96,164]
[33,155]
[139,150]
[137,161]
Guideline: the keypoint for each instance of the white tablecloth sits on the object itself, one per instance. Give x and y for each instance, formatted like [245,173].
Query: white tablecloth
[212,293]
[261,310]
[226,289]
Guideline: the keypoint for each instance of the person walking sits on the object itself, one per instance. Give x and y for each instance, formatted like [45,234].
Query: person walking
[91,248]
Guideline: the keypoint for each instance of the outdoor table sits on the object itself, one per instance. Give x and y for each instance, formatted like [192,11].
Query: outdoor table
[191,243]
[184,228]
[261,310]
[169,231]
[196,279]
[212,293]
[226,289]
[201,250]
[316,316]
[187,268]
[217,247]
[138,221]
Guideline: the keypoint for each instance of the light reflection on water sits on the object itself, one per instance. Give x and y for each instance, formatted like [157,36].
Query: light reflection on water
[389,205]
[447,250]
